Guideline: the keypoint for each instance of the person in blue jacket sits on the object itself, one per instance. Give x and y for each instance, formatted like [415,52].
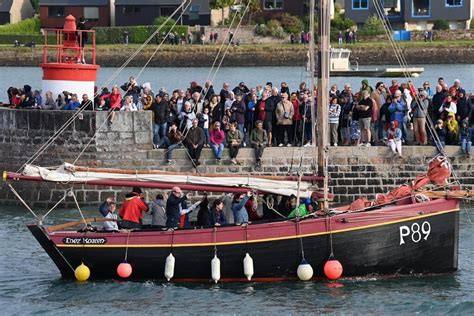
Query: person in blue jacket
[174,207]
[238,208]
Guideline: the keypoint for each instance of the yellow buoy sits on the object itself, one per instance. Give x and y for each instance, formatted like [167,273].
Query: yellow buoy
[82,273]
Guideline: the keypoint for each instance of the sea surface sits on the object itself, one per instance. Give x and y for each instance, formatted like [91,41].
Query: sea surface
[180,78]
[31,284]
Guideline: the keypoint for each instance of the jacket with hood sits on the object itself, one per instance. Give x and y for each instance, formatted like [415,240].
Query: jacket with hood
[132,208]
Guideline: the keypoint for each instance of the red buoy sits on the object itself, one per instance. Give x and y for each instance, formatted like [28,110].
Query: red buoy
[333,269]
[124,270]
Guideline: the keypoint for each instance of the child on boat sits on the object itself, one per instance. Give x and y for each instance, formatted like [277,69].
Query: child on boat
[112,224]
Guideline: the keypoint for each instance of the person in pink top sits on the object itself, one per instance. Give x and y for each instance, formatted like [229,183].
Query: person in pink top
[217,138]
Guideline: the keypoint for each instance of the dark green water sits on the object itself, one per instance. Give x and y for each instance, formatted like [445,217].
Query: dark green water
[30,284]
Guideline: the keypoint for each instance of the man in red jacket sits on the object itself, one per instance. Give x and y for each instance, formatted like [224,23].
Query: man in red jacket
[132,209]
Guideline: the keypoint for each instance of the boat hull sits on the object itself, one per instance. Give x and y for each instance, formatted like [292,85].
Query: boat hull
[404,239]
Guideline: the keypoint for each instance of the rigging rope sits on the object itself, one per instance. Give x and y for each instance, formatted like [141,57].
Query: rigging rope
[403,63]
[48,143]
[21,200]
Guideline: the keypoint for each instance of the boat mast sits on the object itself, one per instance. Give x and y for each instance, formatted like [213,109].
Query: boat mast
[323,95]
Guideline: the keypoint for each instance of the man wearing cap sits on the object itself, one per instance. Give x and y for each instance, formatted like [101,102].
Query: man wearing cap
[132,209]
[173,207]
[241,89]
[419,108]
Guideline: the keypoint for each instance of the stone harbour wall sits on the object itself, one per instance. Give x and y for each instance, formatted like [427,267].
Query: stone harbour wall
[127,143]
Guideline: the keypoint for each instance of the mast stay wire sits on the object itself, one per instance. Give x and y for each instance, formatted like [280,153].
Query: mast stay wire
[403,63]
[50,141]
[136,77]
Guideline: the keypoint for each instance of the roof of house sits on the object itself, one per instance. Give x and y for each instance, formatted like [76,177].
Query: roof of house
[73,2]
[5,5]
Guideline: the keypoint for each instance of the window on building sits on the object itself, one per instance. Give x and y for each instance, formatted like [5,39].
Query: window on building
[194,12]
[392,8]
[360,4]
[421,8]
[91,13]
[55,11]
[131,9]
[273,4]
[453,3]
[167,11]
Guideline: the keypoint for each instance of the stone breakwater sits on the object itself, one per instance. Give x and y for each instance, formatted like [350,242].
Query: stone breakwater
[354,171]
[248,56]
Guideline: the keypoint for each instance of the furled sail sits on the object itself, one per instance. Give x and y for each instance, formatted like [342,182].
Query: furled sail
[68,173]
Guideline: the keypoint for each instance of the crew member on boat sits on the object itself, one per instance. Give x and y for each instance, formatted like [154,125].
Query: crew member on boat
[157,211]
[132,209]
[238,208]
[173,207]
[104,208]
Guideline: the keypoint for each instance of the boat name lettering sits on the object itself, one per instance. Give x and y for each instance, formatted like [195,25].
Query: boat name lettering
[416,232]
[84,241]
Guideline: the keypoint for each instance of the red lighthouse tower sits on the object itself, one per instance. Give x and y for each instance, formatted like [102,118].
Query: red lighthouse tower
[69,64]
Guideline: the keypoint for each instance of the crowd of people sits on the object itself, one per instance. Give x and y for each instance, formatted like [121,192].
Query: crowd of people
[173,211]
[268,115]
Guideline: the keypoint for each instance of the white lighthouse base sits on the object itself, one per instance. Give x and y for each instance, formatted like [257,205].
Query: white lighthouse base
[77,87]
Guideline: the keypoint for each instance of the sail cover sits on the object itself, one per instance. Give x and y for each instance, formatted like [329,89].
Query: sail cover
[67,173]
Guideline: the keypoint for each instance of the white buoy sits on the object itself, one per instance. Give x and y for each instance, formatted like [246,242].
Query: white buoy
[169,267]
[305,271]
[248,266]
[215,269]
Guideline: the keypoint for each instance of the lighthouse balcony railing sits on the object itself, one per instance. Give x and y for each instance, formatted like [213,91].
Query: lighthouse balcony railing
[62,46]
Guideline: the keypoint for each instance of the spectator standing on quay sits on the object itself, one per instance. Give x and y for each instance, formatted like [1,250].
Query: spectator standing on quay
[334,113]
[161,113]
[195,142]
[284,116]
[419,110]
[364,109]
[466,136]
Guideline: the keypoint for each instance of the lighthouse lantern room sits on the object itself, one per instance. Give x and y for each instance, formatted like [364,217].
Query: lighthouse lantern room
[69,64]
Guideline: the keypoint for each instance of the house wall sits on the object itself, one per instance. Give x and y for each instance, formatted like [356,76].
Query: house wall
[4,17]
[76,11]
[438,12]
[293,7]
[20,10]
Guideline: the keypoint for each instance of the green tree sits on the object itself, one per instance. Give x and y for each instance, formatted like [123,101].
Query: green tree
[373,26]
[162,19]
[440,25]
[35,5]
[221,4]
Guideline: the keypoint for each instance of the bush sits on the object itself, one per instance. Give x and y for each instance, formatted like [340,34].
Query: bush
[137,34]
[472,25]
[261,30]
[372,27]
[275,29]
[290,23]
[441,25]
[9,39]
[161,20]
[28,26]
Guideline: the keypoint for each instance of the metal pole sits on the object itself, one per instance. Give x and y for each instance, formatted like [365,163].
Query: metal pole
[312,71]
[323,96]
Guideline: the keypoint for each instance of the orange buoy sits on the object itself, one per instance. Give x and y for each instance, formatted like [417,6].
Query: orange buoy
[333,269]
[124,270]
